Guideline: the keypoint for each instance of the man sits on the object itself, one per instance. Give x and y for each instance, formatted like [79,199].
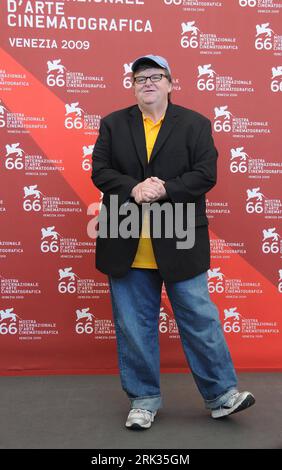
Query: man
[157,153]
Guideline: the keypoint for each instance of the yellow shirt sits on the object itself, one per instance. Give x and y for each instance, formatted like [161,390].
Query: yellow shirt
[145,257]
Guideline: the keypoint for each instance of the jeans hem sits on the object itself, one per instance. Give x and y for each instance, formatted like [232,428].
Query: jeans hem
[150,403]
[221,399]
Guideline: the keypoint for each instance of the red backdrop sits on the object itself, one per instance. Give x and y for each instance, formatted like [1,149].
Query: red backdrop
[63,66]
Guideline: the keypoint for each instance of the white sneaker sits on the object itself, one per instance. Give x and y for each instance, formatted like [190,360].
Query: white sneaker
[140,419]
[237,402]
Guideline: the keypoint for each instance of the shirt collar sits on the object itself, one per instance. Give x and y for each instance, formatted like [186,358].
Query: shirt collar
[147,118]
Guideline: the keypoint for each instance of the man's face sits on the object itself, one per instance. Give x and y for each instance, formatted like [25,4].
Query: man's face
[152,93]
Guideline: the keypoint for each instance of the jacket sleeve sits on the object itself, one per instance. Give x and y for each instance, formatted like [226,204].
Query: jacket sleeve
[104,176]
[193,184]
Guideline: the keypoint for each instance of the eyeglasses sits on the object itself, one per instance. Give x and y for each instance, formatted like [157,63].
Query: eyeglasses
[154,78]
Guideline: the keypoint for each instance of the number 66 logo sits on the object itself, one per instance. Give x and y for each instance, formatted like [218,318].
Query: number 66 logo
[265,44]
[224,126]
[232,327]
[189,42]
[11,329]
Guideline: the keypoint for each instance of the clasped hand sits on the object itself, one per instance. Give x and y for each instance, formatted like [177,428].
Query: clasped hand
[150,190]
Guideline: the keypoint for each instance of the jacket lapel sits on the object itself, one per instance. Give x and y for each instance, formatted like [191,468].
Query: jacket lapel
[165,130]
[138,133]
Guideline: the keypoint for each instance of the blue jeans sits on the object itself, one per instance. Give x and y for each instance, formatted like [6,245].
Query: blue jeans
[136,299]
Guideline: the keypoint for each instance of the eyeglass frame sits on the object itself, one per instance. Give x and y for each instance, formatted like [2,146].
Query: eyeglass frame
[150,77]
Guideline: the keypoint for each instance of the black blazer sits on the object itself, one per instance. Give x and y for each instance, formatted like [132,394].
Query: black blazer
[184,156]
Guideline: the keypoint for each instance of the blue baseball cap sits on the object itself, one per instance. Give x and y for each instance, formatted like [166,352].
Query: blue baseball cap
[155,59]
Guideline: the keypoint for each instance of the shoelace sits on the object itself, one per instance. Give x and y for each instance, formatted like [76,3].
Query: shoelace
[230,402]
[146,413]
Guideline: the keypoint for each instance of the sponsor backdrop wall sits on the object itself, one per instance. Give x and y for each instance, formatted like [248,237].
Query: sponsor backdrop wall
[64,64]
